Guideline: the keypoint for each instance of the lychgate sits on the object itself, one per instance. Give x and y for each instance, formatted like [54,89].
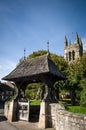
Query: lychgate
[39,69]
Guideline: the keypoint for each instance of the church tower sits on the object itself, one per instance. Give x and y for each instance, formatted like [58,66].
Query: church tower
[73,51]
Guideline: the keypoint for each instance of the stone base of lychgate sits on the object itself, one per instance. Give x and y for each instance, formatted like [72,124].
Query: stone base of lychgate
[10,111]
[16,110]
[45,115]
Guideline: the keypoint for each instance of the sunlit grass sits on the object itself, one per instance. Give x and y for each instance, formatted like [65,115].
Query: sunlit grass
[35,102]
[76,109]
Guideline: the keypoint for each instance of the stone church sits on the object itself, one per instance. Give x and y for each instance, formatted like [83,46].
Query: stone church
[73,51]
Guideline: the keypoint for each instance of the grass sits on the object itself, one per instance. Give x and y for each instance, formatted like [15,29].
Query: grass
[70,108]
[35,102]
[76,109]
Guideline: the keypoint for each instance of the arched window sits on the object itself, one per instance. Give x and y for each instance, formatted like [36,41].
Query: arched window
[69,56]
[73,55]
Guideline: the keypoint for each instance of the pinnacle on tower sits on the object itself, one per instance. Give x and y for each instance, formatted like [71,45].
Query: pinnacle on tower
[77,38]
[69,42]
[65,42]
[80,41]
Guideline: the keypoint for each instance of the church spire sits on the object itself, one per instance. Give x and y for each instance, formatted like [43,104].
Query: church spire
[65,42]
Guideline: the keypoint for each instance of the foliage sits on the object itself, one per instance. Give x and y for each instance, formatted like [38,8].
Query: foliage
[83,93]
[83,98]
[76,80]
[59,61]
[34,90]
[59,86]
[74,76]
[37,53]
[31,92]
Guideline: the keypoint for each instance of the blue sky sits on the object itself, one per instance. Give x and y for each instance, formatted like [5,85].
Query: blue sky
[31,23]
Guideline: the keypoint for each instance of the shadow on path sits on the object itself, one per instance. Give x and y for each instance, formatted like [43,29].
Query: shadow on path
[34,113]
[2,118]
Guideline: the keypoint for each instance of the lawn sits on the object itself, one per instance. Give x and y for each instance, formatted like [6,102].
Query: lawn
[35,102]
[76,109]
[70,108]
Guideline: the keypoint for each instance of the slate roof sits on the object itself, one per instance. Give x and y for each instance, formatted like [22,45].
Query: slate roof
[40,65]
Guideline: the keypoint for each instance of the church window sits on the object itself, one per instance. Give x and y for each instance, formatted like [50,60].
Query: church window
[73,55]
[69,56]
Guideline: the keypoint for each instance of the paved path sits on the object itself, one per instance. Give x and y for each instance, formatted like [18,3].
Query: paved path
[4,125]
[20,125]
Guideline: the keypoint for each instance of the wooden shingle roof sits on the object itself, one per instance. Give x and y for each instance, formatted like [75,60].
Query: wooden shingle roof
[40,65]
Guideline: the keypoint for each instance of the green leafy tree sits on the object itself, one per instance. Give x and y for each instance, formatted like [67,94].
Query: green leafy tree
[60,62]
[73,76]
[83,93]
[83,81]
[37,53]
[76,71]
[34,90]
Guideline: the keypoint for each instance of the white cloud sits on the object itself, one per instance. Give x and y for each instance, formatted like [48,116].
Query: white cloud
[6,67]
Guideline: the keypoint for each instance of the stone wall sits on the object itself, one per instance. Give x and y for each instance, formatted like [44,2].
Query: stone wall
[63,120]
[52,115]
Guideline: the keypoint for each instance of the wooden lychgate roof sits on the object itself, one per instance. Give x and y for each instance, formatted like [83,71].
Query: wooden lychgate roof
[34,68]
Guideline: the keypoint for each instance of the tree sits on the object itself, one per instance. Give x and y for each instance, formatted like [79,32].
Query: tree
[37,53]
[76,71]
[83,81]
[83,92]
[33,91]
[74,76]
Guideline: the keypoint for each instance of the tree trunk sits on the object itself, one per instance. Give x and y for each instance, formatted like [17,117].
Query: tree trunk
[73,96]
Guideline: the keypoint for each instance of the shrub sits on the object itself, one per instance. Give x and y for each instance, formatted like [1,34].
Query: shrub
[83,98]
